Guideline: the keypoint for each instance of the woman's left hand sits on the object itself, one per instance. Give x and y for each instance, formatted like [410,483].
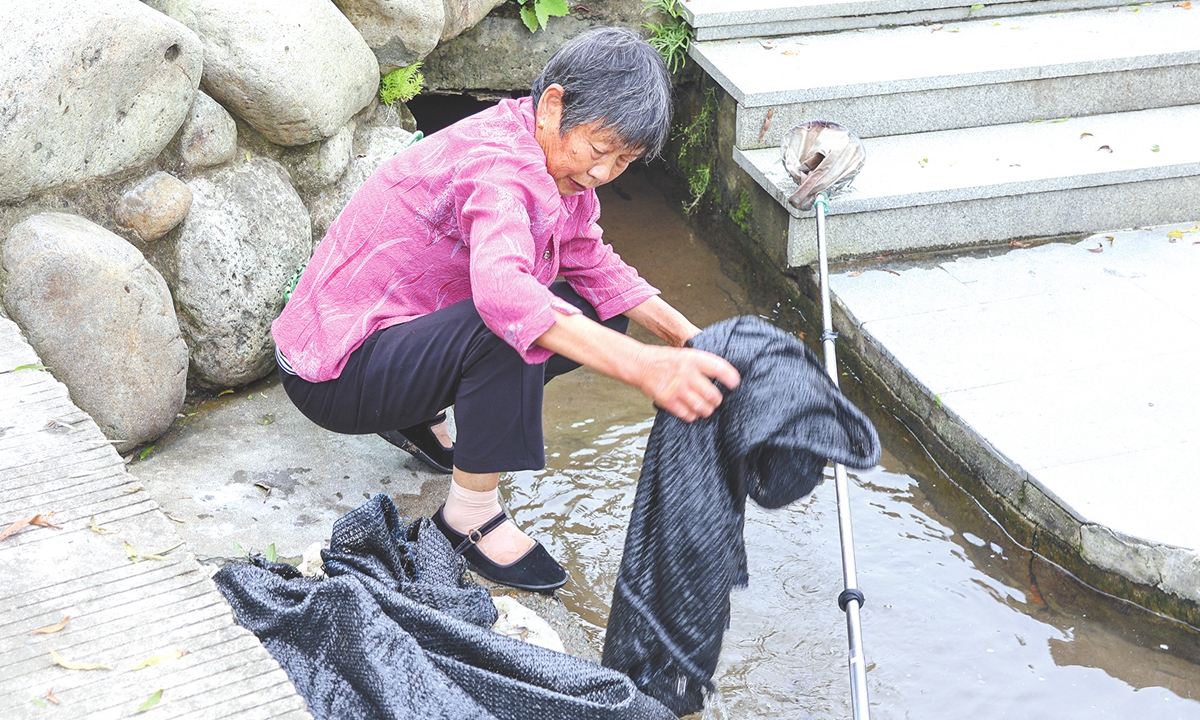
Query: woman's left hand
[680,380]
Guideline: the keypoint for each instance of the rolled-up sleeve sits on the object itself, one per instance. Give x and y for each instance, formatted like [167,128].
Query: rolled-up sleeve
[495,226]
[597,272]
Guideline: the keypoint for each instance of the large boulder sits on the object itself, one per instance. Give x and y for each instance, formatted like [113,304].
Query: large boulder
[372,146]
[245,236]
[88,89]
[101,317]
[400,32]
[296,70]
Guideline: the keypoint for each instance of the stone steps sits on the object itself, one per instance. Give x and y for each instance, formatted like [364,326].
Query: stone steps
[993,184]
[981,72]
[724,19]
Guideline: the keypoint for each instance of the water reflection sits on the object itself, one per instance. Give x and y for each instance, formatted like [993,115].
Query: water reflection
[960,621]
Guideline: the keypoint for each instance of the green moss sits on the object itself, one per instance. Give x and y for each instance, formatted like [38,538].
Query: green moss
[695,141]
[740,215]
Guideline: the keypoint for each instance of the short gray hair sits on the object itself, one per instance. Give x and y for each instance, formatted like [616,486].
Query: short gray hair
[612,76]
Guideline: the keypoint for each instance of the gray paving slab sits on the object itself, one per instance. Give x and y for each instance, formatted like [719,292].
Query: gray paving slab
[904,59]
[1015,159]
[899,80]
[121,611]
[248,468]
[1073,363]
[717,21]
[988,185]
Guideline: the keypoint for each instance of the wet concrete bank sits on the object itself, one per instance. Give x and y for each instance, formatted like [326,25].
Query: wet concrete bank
[1056,377]
[1124,528]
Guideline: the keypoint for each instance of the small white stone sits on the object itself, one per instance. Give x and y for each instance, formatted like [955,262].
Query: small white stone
[518,621]
[312,564]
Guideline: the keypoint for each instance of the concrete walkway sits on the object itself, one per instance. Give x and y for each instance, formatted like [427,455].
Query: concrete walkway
[1066,376]
[116,567]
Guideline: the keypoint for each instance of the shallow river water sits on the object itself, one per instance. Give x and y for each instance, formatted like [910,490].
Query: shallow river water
[960,622]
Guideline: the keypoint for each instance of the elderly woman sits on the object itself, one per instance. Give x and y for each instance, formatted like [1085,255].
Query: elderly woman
[436,286]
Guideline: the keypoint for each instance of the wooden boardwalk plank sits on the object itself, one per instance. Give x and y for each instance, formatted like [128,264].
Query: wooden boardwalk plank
[53,458]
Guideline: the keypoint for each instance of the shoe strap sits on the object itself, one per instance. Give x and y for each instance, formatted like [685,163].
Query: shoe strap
[474,536]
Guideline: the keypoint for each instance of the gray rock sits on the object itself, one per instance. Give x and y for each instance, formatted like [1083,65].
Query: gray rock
[400,32]
[101,317]
[246,235]
[154,207]
[208,136]
[88,89]
[296,70]
[322,163]
[464,14]
[372,146]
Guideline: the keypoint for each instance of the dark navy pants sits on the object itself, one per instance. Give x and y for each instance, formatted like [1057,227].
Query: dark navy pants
[406,374]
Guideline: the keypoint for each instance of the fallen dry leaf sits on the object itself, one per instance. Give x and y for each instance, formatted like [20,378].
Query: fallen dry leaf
[1111,240]
[856,273]
[767,44]
[100,530]
[39,520]
[1175,234]
[935,28]
[51,698]
[766,124]
[1185,5]
[75,665]
[892,272]
[135,556]
[1098,248]
[132,489]
[52,628]
[1083,135]
[1103,147]
[159,658]
[1016,244]
[1194,228]
[793,51]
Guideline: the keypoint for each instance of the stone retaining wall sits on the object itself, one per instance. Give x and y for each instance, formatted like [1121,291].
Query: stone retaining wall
[166,167]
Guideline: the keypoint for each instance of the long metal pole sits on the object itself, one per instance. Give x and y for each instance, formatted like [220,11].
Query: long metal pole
[851,598]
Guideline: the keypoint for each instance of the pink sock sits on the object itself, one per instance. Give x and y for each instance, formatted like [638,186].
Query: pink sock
[468,509]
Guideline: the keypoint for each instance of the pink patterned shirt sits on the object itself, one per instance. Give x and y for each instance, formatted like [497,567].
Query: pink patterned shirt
[469,212]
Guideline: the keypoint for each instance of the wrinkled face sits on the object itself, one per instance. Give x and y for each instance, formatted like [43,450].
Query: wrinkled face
[583,158]
[586,158]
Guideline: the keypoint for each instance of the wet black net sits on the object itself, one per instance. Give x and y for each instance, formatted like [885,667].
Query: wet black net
[395,632]
[769,440]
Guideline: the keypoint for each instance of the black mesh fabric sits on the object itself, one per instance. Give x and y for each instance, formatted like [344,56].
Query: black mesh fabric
[396,632]
[770,440]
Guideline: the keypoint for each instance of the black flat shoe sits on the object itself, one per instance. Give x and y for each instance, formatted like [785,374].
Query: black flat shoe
[420,442]
[535,570]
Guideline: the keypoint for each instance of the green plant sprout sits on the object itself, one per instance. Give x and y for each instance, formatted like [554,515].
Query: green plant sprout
[535,13]
[672,38]
[691,158]
[401,84]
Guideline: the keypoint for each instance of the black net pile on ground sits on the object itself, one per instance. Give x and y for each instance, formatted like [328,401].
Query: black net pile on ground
[395,632]
[770,440]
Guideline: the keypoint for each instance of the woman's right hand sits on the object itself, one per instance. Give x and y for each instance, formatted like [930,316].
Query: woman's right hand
[679,380]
